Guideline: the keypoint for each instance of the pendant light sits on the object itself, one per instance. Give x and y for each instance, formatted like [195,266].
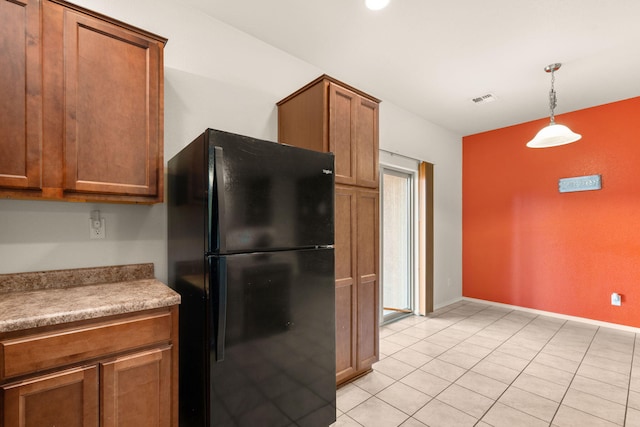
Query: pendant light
[553,134]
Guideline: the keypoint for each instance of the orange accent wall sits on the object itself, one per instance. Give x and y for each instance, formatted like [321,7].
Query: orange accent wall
[527,244]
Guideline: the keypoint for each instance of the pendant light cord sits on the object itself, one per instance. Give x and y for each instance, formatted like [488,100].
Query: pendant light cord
[552,98]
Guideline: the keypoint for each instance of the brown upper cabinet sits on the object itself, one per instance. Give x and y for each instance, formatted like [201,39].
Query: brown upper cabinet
[81,106]
[328,115]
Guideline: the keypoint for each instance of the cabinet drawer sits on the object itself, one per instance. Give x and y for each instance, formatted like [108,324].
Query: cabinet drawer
[71,345]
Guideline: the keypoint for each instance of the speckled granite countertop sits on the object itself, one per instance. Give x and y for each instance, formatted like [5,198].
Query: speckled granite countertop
[29,300]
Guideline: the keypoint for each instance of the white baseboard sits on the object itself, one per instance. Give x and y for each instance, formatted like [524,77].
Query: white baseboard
[558,315]
[446,303]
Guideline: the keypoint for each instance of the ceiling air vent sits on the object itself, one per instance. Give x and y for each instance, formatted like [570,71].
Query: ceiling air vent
[484,99]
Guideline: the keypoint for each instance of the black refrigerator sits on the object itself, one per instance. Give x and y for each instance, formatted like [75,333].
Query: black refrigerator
[250,236]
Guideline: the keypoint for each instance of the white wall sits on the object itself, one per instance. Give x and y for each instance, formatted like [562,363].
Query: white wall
[405,133]
[215,76]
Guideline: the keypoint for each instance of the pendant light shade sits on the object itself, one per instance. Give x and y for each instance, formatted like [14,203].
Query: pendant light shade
[553,134]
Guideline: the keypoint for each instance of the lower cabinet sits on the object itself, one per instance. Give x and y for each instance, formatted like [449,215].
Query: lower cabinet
[357,295]
[135,390]
[134,387]
[68,398]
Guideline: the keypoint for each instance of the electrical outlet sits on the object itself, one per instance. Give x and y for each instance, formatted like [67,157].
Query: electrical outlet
[616,299]
[97,232]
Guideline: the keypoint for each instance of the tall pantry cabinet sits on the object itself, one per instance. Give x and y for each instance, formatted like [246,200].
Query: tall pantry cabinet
[330,116]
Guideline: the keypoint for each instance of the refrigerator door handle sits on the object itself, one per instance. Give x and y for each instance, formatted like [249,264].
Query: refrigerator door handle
[220,309]
[218,185]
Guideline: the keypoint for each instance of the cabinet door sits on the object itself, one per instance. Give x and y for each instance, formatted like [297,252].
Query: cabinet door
[68,398]
[342,132]
[353,137]
[112,113]
[367,143]
[367,277]
[20,94]
[136,390]
[346,291]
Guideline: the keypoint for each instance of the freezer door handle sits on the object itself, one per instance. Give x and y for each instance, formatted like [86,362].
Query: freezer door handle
[216,184]
[220,308]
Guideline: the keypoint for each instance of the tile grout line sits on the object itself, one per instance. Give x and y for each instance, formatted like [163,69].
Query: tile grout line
[555,414]
[418,368]
[495,349]
[409,416]
[471,367]
[483,358]
[521,372]
[633,356]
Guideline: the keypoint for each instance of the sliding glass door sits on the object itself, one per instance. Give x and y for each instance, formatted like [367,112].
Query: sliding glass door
[397,190]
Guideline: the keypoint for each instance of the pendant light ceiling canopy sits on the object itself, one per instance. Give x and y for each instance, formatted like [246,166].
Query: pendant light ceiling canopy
[553,134]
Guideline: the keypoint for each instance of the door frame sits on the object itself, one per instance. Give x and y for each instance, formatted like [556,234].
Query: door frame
[413,246]
[424,227]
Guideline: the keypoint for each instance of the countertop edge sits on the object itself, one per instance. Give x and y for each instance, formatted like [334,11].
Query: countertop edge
[54,279]
[47,307]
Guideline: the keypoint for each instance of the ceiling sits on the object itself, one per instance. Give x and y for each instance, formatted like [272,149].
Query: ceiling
[433,57]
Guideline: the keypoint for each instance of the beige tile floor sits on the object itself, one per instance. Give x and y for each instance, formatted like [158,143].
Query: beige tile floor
[473,364]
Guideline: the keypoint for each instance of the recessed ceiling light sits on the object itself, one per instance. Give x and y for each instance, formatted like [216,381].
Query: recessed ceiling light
[376,4]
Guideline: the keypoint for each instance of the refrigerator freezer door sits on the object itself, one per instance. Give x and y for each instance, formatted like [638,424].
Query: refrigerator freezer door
[279,357]
[268,196]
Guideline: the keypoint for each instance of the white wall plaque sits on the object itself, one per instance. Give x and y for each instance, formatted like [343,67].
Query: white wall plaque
[580,183]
